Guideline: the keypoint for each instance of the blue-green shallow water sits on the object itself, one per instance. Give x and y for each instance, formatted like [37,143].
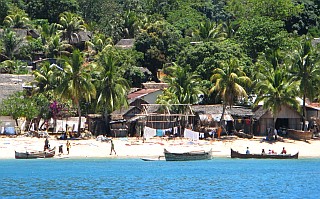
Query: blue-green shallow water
[134,178]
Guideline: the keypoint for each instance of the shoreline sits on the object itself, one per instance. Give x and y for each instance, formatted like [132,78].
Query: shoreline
[133,148]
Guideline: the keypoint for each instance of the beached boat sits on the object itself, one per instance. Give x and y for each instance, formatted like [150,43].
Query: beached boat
[236,154]
[35,154]
[188,156]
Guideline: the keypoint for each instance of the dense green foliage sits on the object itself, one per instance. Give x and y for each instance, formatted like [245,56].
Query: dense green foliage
[196,43]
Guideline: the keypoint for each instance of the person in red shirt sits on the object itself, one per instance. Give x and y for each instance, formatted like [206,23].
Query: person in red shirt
[283,151]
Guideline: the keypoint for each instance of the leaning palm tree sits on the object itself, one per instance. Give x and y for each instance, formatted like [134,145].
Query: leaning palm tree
[112,87]
[229,82]
[76,83]
[306,70]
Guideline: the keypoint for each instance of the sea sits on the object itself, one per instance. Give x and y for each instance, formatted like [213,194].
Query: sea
[134,178]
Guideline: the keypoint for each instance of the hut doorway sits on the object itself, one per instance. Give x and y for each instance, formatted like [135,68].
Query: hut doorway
[282,123]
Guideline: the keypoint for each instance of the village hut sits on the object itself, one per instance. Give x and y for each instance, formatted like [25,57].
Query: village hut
[287,118]
[208,117]
[119,118]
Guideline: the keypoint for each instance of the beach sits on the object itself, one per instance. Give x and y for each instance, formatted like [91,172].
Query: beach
[152,148]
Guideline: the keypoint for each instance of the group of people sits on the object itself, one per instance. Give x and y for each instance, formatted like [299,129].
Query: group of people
[284,151]
[68,145]
[47,146]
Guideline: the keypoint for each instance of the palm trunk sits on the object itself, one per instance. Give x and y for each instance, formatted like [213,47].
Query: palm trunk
[304,112]
[222,116]
[79,120]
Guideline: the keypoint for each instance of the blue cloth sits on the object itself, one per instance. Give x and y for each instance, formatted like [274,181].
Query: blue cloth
[160,132]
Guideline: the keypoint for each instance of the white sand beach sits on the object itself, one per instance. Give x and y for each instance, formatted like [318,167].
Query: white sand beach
[135,148]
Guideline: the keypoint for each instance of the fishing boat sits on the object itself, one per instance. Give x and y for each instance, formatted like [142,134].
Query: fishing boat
[188,156]
[236,154]
[35,154]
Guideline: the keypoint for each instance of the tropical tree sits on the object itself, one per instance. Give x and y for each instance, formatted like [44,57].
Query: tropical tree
[10,44]
[131,23]
[76,83]
[16,19]
[184,86]
[98,43]
[306,70]
[209,31]
[19,105]
[14,67]
[111,86]
[229,83]
[55,47]
[274,86]
[70,24]
[46,78]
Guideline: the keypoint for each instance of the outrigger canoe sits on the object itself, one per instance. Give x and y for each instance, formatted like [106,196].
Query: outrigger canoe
[188,156]
[236,154]
[35,154]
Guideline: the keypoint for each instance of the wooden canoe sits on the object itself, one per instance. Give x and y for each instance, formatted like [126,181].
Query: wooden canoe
[35,154]
[236,154]
[188,156]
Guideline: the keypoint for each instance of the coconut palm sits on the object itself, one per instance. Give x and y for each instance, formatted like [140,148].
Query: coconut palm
[274,86]
[209,31]
[229,82]
[70,24]
[76,83]
[54,47]
[46,78]
[98,43]
[112,88]
[306,70]
[17,19]
[184,86]
[10,44]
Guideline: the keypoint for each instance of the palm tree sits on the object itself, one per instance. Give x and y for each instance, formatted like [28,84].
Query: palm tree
[209,31]
[112,88]
[10,44]
[130,24]
[47,78]
[76,83]
[16,19]
[70,24]
[54,47]
[184,87]
[229,82]
[306,70]
[98,43]
[274,86]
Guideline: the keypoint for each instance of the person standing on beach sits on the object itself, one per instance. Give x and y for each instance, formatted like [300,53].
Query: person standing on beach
[68,146]
[46,144]
[112,148]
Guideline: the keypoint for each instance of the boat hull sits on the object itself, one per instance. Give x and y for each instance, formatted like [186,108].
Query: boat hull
[35,154]
[236,154]
[188,156]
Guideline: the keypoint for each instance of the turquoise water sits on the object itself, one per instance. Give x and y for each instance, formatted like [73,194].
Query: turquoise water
[134,178]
